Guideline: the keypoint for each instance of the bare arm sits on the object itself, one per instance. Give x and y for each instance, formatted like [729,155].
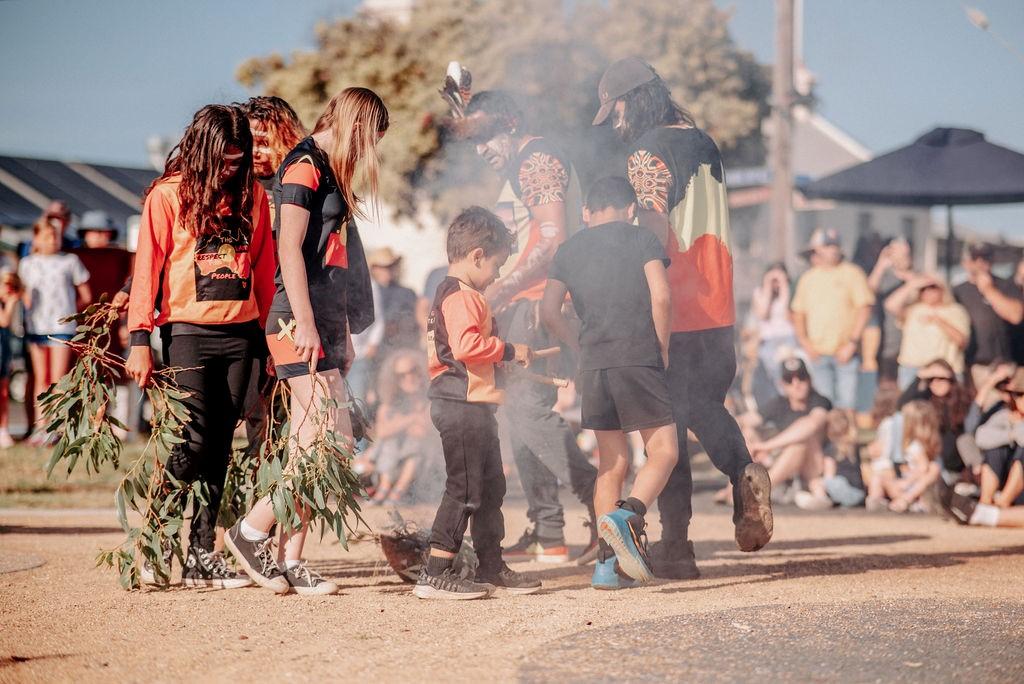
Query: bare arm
[800,326]
[551,314]
[1010,309]
[661,304]
[294,223]
[951,331]
[900,299]
[84,295]
[657,223]
[7,310]
[550,219]
[761,302]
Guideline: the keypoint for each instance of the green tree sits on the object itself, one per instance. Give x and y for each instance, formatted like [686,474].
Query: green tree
[550,55]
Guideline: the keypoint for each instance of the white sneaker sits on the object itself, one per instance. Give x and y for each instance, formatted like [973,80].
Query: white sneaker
[809,502]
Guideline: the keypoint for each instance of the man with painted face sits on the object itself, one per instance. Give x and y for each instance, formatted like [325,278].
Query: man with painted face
[540,203]
[676,170]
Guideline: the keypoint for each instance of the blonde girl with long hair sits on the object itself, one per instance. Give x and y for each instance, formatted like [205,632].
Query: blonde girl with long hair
[922,445]
[322,297]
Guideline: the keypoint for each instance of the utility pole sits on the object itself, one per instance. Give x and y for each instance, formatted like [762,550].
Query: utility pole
[780,151]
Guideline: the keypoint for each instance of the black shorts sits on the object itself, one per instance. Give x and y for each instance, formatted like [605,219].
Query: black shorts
[287,363]
[628,398]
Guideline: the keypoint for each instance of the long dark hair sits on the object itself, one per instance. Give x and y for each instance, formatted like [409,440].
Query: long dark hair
[650,105]
[952,408]
[197,158]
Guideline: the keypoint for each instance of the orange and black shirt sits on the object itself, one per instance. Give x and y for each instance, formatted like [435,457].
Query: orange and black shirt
[463,347]
[336,271]
[209,280]
[678,172]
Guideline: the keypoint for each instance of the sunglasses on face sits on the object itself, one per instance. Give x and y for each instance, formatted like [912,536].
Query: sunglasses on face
[411,373]
[940,378]
[788,379]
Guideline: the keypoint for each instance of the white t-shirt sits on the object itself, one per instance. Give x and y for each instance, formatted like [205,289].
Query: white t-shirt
[51,280]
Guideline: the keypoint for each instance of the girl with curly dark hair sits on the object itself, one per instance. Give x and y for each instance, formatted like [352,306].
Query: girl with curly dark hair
[205,259]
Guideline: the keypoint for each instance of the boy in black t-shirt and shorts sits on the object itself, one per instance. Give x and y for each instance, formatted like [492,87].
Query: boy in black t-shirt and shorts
[615,273]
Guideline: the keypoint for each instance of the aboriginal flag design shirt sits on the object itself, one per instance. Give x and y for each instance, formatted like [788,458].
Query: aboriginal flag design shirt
[208,280]
[463,346]
[336,270]
[678,172]
[540,174]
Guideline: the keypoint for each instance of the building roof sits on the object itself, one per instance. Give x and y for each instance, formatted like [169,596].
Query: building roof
[28,185]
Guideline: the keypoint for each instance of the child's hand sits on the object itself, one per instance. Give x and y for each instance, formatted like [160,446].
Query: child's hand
[524,355]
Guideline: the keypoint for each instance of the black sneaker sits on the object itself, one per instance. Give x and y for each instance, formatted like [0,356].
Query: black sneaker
[206,569]
[306,582]
[508,579]
[524,550]
[256,559]
[148,574]
[956,506]
[674,561]
[448,586]
[752,513]
[589,554]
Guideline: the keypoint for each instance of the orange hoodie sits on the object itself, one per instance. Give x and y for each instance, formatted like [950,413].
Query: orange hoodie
[212,280]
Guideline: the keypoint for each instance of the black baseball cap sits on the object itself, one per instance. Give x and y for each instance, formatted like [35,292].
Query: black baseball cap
[794,367]
[619,79]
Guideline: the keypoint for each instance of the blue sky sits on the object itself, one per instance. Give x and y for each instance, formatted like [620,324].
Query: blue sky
[92,79]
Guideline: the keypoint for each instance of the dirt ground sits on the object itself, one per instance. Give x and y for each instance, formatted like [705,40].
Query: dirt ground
[834,597]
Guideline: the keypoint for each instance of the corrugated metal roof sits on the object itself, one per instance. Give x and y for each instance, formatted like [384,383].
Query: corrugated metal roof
[91,186]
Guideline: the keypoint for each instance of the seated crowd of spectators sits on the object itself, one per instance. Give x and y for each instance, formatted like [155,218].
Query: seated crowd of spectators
[886,388]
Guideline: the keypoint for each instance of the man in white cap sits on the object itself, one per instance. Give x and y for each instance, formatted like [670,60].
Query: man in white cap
[831,307]
[676,170]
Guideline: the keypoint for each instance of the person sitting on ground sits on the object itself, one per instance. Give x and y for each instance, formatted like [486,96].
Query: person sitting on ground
[921,445]
[937,384]
[933,326]
[1001,439]
[799,416]
[966,511]
[615,274]
[403,436]
[843,481]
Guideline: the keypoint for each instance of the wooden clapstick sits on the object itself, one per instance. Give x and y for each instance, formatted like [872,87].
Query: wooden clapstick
[547,353]
[545,379]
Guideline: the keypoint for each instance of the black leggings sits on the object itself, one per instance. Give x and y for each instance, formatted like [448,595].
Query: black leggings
[475,486]
[701,368]
[217,369]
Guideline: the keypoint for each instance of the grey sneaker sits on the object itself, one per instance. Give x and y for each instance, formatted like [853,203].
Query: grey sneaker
[148,574]
[306,582]
[508,579]
[448,586]
[257,560]
[206,569]
[674,561]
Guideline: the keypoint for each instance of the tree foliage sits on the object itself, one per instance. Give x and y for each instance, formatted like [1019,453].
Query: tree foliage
[551,55]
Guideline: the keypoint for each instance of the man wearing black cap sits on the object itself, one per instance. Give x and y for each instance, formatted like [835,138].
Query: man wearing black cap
[676,170]
[994,304]
[540,203]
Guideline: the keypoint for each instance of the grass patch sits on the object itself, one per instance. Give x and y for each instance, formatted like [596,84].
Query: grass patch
[23,481]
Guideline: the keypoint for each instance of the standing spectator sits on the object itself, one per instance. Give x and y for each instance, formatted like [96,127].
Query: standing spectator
[892,270]
[994,305]
[58,215]
[56,286]
[831,308]
[770,308]
[397,302]
[933,325]
[10,296]
[799,417]
[366,345]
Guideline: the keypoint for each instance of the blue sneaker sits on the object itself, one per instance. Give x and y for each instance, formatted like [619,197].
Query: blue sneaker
[623,530]
[606,578]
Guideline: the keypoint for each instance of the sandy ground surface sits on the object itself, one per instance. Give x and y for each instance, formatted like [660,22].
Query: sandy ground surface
[834,597]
